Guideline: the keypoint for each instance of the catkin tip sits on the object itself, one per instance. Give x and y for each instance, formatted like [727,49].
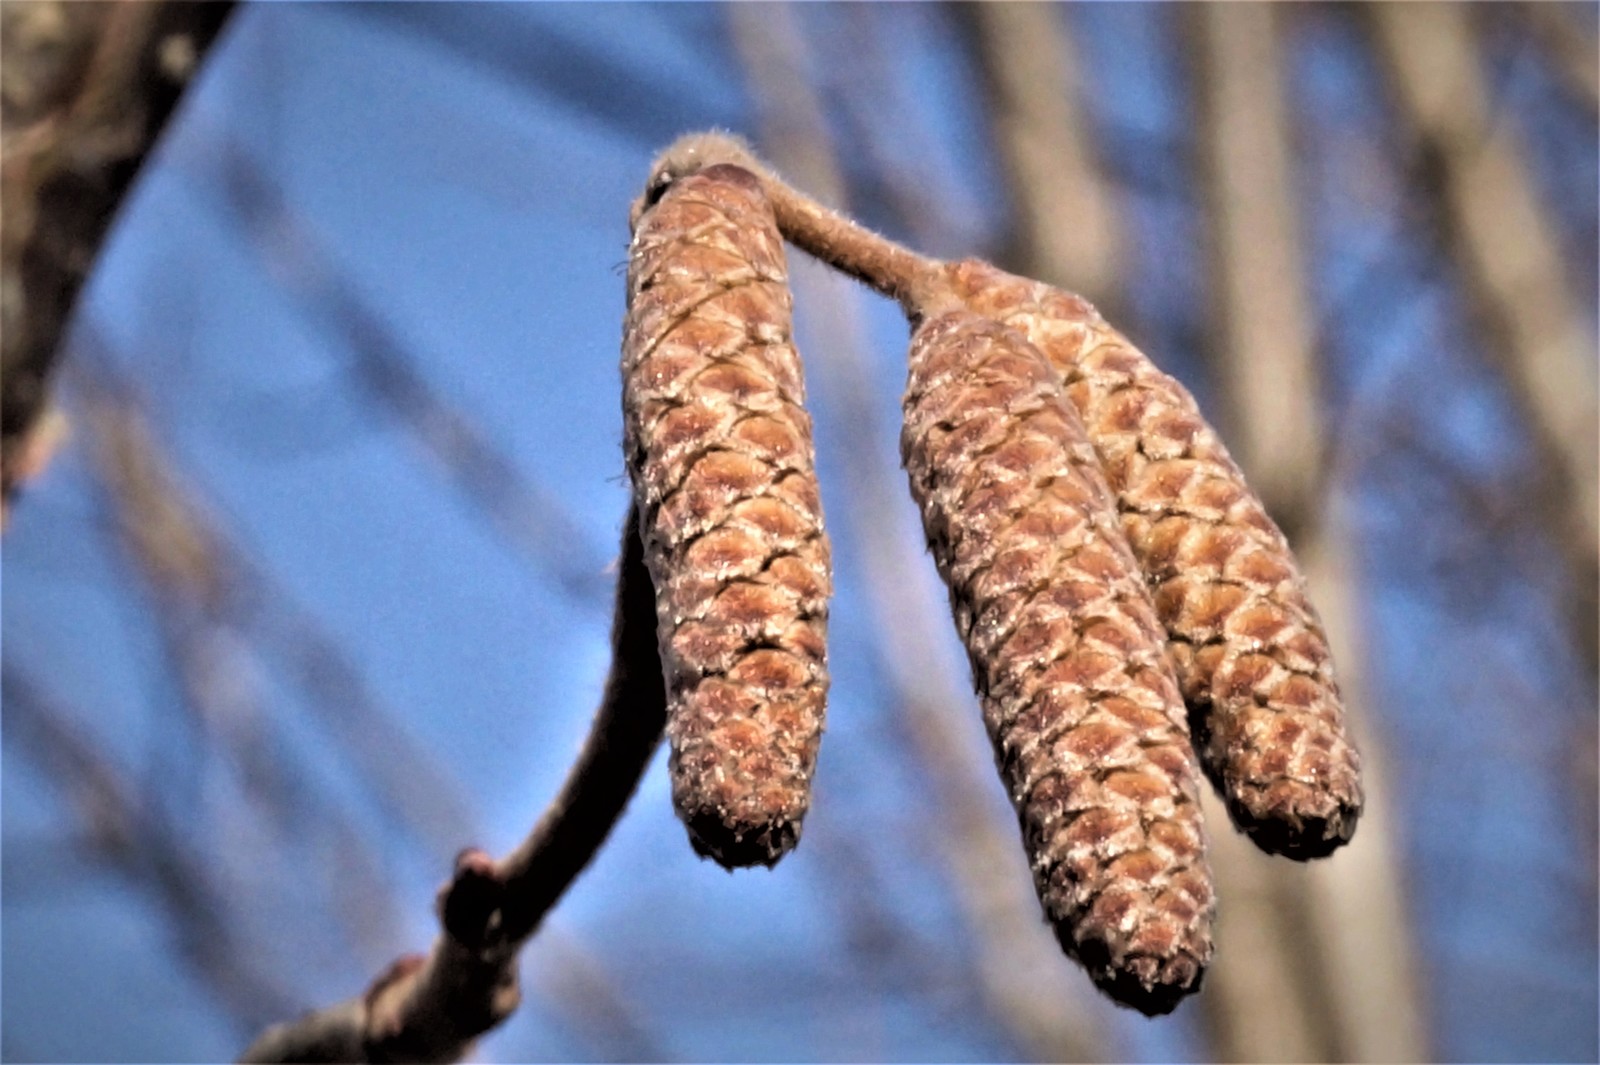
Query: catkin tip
[1149,985]
[691,154]
[1298,835]
[738,845]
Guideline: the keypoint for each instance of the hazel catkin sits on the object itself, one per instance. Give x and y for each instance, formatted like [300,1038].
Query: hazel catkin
[1067,656]
[719,449]
[1250,652]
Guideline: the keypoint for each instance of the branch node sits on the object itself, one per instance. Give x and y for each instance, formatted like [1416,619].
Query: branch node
[470,905]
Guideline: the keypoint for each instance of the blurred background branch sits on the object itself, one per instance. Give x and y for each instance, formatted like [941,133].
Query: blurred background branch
[87,91]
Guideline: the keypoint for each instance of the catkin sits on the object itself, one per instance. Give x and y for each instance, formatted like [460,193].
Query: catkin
[1077,694]
[1248,647]
[719,448]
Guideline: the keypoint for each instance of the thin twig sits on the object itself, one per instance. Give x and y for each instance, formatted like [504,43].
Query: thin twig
[431,1008]
[890,268]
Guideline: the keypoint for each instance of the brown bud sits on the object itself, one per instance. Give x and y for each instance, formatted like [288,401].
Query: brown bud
[719,449]
[1067,657]
[1250,652]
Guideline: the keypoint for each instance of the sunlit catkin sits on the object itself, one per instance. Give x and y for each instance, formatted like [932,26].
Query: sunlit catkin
[1067,657]
[1250,652]
[719,448]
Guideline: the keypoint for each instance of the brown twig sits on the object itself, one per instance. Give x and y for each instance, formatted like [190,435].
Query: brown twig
[431,1008]
[117,71]
[890,268]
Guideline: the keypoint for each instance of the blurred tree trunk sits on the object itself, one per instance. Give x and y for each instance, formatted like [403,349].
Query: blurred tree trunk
[1496,228]
[1065,224]
[1262,334]
[1313,963]
[1571,47]
[1499,232]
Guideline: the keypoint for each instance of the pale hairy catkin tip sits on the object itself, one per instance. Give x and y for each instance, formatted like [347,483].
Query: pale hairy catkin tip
[1249,649]
[690,154]
[719,450]
[1077,694]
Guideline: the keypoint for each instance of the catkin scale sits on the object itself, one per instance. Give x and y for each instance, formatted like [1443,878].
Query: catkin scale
[1249,650]
[719,451]
[1077,695]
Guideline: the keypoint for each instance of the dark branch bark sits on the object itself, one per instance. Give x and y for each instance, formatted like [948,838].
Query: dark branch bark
[431,1008]
[109,78]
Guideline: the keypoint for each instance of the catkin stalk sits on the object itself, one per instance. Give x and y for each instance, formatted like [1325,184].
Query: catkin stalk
[1249,649]
[1067,656]
[719,449]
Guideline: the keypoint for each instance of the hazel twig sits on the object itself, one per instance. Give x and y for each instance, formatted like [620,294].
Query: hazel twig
[892,269]
[431,1007]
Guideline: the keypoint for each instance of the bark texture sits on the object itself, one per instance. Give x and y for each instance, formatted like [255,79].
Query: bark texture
[1067,655]
[87,90]
[1249,649]
[719,447]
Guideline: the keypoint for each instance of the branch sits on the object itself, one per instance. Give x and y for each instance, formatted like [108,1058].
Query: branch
[1345,917]
[1569,46]
[1263,328]
[118,71]
[431,1008]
